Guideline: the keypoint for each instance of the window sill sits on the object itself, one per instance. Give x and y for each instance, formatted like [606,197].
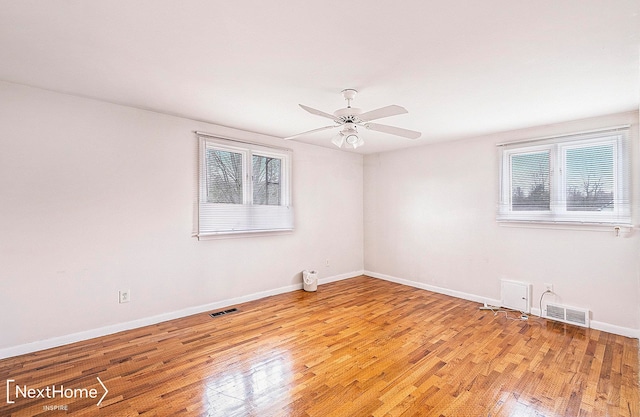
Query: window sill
[243,234]
[618,229]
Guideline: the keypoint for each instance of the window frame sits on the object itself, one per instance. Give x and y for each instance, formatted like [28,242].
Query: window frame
[285,189]
[557,147]
[252,218]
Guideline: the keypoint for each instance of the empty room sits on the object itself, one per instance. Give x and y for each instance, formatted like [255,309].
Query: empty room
[338,208]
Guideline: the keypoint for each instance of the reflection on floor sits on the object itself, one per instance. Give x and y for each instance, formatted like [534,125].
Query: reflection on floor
[250,387]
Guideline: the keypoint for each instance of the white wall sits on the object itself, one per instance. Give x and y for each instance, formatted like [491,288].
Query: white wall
[430,219]
[96,197]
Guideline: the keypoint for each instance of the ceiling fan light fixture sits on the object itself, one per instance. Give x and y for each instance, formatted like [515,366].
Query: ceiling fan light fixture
[355,141]
[352,139]
[338,140]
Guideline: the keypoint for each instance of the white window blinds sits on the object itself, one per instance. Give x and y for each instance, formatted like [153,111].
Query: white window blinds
[530,181]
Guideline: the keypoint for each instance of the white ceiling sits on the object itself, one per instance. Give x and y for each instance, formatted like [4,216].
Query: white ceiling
[461,68]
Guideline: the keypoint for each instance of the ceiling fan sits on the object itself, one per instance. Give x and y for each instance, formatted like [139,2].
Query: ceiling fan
[350,118]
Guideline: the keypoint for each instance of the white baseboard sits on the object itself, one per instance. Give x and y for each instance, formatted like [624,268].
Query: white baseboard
[433,288]
[134,324]
[340,277]
[596,325]
[612,328]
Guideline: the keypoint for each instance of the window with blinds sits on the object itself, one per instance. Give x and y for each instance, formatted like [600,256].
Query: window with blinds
[530,181]
[589,178]
[244,188]
[578,178]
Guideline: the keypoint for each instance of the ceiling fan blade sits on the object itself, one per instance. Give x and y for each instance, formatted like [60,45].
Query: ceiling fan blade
[318,112]
[392,130]
[382,112]
[320,129]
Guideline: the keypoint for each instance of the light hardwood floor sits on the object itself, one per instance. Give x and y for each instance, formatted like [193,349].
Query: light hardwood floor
[358,347]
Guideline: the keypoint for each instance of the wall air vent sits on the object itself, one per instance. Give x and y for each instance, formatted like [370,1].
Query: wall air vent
[571,315]
[555,312]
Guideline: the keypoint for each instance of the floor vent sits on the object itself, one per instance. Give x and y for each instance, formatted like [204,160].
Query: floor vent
[222,313]
[571,315]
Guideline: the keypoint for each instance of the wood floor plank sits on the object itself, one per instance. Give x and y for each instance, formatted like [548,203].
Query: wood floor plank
[357,347]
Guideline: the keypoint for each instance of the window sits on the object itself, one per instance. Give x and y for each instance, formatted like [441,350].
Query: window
[244,188]
[580,178]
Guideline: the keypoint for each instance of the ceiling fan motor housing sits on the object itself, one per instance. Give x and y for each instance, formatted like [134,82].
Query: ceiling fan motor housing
[348,115]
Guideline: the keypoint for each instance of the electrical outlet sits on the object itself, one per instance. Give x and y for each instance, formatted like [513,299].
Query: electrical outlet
[326,263]
[124,296]
[548,287]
